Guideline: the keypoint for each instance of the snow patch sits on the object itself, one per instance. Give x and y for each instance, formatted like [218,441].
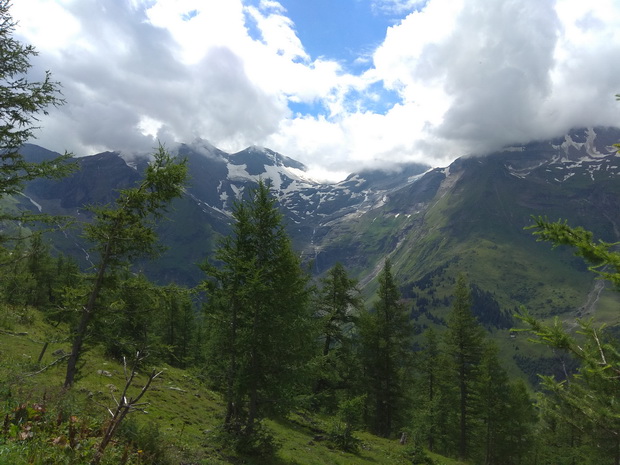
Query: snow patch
[238,171]
[39,207]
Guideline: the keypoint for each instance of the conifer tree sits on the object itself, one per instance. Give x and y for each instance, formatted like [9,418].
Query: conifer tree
[127,324]
[504,412]
[40,265]
[21,101]
[124,232]
[464,347]
[258,318]
[432,396]
[386,339]
[338,305]
[519,442]
[585,404]
[177,325]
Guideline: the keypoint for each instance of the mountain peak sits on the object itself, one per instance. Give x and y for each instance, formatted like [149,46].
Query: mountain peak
[255,156]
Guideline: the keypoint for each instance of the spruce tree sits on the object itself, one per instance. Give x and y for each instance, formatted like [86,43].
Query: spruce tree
[258,317]
[386,338]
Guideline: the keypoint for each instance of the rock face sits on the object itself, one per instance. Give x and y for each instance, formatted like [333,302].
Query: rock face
[433,223]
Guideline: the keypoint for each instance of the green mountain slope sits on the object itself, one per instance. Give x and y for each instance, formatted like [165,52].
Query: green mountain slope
[470,218]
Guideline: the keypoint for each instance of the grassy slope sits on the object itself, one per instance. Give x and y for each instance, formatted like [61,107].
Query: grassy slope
[183,414]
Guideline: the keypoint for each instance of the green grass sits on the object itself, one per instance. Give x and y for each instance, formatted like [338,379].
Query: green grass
[181,423]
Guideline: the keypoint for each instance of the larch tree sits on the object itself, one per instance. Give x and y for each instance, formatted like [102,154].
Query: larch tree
[260,335]
[21,103]
[430,397]
[177,325]
[504,412]
[123,232]
[587,401]
[386,339]
[338,307]
[464,348]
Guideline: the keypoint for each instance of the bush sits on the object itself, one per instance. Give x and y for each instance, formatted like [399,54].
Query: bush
[418,456]
[348,418]
[147,440]
[261,443]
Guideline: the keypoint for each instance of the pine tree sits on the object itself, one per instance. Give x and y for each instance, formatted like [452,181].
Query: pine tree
[464,347]
[386,339]
[258,316]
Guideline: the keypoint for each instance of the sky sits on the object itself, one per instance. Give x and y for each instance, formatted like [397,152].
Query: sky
[338,85]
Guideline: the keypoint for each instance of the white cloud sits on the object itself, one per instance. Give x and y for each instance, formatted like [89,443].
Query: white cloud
[462,75]
[277,31]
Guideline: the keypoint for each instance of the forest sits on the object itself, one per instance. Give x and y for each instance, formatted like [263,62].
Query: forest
[268,352]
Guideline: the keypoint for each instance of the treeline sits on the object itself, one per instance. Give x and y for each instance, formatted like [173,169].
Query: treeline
[133,313]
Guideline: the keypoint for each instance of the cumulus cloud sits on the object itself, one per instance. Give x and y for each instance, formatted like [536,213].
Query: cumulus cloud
[496,67]
[450,77]
[504,71]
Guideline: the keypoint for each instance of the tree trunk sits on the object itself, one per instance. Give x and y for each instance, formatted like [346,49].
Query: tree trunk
[463,418]
[254,374]
[231,404]
[80,333]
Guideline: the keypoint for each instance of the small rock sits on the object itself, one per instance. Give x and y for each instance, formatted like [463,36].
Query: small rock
[173,388]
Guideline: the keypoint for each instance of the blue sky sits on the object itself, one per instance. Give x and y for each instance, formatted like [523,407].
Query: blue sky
[343,30]
[336,84]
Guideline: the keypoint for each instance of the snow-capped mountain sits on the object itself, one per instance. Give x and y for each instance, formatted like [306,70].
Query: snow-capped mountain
[434,223]
[589,153]
[219,179]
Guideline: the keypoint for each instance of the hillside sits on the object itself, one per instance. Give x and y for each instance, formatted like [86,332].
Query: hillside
[179,423]
[471,217]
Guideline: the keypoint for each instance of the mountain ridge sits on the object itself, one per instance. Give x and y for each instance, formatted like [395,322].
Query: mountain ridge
[466,217]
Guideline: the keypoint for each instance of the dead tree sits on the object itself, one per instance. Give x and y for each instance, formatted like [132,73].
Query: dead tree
[124,405]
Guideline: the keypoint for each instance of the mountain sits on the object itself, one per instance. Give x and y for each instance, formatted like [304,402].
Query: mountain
[433,223]
[217,180]
[470,217]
